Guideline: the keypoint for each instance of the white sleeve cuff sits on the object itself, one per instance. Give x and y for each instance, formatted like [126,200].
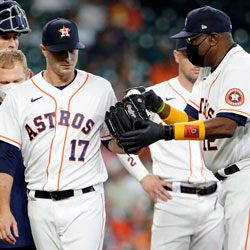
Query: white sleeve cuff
[134,165]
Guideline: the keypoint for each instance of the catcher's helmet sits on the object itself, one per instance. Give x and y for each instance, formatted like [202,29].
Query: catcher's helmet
[13,18]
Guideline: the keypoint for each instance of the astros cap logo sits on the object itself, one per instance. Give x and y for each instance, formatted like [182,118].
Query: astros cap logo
[64,31]
[234,97]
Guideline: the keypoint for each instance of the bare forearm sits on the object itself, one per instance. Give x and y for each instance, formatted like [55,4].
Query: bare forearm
[6,182]
[115,148]
[220,127]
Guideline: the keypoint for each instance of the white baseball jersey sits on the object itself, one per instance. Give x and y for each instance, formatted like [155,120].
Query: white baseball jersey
[59,131]
[180,161]
[200,224]
[225,90]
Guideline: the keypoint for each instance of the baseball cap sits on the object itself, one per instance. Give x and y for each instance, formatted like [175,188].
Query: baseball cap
[61,34]
[180,44]
[205,20]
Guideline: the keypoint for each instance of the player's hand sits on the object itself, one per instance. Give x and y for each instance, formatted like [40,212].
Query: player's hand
[8,222]
[146,133]
[153,101]
[154,186]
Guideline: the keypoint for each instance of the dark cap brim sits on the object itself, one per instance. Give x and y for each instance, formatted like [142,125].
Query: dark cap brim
[182,48]
[63,47]
[183,34]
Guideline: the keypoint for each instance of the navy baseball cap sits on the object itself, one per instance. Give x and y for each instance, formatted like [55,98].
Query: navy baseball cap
[205,20]
[61,34]
[180,44]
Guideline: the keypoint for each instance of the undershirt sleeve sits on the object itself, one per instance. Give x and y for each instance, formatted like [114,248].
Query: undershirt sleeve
[8,158]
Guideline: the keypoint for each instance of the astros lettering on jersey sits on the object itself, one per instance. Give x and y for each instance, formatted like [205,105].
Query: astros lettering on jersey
[221,93]
[77,111]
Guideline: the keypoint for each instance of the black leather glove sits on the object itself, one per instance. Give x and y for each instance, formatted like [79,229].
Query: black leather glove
[146,133]
[153,101]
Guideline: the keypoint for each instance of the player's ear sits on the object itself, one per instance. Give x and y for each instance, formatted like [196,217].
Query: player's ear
[213,39]
[28,74]
[176,56]
[43,49]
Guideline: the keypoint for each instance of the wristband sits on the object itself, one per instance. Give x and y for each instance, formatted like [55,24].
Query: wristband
[175,116]
[160,109]
[189,130]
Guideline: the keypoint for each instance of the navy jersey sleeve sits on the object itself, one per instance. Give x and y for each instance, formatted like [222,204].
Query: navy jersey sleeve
[8,158]
[105,143]
[241,120]
[191,112]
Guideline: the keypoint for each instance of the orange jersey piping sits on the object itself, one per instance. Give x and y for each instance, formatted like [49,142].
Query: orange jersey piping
[102,229]
[202,162]
[51,144]
[189,144]
[105,136]
[176,91]
[66,134]
[236,111]
[190,162]
[194,104]
[11,140]
[247,230]
[212,85]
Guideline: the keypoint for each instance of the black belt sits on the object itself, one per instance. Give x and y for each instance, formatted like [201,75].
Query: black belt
[197,190]
[228,171]
[59,195]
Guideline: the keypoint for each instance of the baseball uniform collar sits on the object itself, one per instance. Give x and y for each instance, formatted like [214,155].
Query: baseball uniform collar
[214,68]
[68,91]
[230,53]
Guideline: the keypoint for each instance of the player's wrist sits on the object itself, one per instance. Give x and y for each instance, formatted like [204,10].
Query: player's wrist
[160,106]
[185,131]
[157,106]
[168,132]
[153,101]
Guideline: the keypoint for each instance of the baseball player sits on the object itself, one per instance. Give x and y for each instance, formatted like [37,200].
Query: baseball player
[57,119]
[13,23]
[200,225]
[220,99]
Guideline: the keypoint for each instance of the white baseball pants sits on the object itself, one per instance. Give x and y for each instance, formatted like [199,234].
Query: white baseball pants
[188,222]
[234,195]
[75,223]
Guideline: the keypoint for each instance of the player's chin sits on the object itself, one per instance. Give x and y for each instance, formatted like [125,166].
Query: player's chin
[66,68]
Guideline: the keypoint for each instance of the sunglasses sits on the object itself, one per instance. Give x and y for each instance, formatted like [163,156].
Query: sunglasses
[192,38]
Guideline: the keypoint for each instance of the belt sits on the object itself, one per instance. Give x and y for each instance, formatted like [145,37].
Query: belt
[223,173]
[196,190]
[59,195]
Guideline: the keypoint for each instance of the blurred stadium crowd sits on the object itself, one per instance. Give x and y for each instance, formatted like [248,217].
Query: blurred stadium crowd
[127,42]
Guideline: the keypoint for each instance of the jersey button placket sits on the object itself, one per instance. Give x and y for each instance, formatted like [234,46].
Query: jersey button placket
[62,102]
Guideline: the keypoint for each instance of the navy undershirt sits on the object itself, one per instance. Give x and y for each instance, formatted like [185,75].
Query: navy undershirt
[13,165]
[241,120]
